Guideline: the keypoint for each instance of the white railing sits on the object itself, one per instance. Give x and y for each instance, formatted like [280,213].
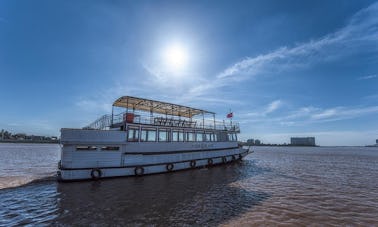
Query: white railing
[106,121]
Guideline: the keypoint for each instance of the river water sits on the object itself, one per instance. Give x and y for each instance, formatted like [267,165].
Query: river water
[321,186]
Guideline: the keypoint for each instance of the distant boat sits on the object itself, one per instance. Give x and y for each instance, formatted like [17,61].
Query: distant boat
[147,137]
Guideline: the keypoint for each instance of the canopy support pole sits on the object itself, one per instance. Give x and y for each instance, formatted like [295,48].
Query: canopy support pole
[214,121]
[203,120]
[112,115]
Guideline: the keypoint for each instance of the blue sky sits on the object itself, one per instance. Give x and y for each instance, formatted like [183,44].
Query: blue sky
[285,68]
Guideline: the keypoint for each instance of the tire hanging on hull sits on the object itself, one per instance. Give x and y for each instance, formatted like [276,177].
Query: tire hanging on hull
[96,174]
[169,167]
[193,163]
[139,171]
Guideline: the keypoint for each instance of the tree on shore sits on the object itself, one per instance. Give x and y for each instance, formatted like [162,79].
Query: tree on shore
[4,134]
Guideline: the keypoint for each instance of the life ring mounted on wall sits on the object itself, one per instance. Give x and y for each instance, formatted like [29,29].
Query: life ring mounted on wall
[96,174]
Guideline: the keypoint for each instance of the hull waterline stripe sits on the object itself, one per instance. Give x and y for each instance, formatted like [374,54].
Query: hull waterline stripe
[179,151]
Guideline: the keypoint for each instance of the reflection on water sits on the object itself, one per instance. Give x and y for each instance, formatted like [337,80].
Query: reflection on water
[273,186]
[193,197]
[190,197]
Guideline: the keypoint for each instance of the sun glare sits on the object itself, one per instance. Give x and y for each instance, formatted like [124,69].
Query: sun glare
[176,57]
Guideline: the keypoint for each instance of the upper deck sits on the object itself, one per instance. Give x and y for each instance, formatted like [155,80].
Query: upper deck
[158,113]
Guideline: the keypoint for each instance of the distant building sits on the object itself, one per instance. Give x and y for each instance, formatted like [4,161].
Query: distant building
[257,142]
[250,142]
[302,141]
[376,141]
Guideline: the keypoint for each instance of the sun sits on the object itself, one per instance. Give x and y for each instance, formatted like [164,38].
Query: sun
[176,57]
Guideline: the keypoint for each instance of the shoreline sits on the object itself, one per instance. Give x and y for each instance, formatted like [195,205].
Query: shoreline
[29,141]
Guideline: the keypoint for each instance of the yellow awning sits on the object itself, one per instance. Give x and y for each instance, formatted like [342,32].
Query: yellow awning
[158,107]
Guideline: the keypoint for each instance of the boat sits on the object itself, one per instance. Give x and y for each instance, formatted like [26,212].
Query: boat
[143,136]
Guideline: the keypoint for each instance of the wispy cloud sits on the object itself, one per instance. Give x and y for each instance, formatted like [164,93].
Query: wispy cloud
[368,77]
[362,30]
[342,113]
[273,106]
[261,113]
[307,115]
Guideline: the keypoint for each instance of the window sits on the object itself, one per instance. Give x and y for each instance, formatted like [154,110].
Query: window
[133,135]
[181,136]
[148,135]
[190,136]
[110,148]
[86,148]
[175,136]
[215,137]
[199,136]
[163,135]
[208,137]
[232,137]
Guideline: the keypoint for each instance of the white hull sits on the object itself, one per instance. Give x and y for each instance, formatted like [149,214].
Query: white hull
[117,164]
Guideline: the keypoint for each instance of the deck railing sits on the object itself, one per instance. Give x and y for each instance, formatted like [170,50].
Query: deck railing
[102,123]
[106,121]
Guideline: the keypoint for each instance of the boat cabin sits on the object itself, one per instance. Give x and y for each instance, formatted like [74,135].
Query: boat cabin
[147,120]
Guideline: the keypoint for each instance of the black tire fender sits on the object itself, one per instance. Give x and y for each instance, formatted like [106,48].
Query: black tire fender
[139,171]
[193,163]
[169,166]
[96,174]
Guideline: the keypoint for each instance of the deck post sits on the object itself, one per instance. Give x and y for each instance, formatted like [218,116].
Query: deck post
[112,115]
[214,121]
[203,120]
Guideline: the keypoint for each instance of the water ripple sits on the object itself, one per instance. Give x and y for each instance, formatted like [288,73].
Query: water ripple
[272,187]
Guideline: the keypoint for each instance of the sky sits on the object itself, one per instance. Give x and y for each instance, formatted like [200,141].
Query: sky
[284,68]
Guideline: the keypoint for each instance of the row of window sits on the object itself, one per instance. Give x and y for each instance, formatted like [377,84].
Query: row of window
[166,135]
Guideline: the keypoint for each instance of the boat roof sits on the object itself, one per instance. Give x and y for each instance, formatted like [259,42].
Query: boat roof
[158,107]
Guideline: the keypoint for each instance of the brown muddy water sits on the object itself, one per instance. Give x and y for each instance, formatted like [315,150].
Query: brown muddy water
[292,186]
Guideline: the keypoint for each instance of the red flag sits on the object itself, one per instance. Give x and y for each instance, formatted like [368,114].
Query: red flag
[230,115]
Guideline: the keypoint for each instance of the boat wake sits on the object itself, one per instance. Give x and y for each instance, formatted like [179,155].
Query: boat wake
[17,181]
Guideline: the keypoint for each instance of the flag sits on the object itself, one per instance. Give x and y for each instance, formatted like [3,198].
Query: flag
[230,115]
